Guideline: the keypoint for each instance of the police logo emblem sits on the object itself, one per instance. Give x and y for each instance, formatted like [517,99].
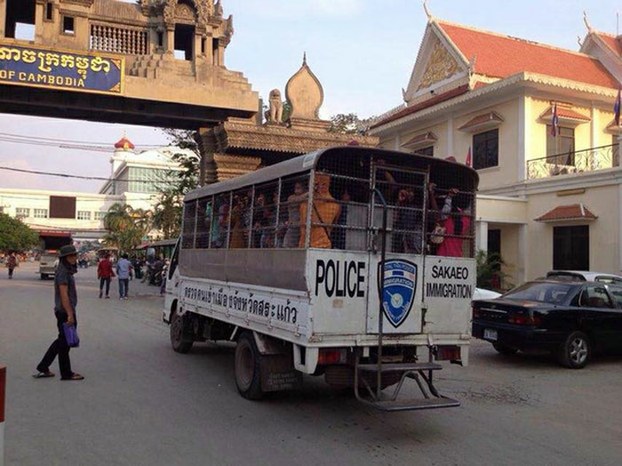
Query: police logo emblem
[400,284]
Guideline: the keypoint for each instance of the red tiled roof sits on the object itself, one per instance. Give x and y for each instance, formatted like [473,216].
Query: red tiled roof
[480,120]
[428,103]
[501,56]
[425,138]
[124,143]
[567,212]
[614,43]
[565,113]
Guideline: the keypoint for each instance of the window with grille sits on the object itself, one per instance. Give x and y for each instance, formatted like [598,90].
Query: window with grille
[41,213]
[571,248]
[84,215]
[22,212]
[486,149]
[99,215]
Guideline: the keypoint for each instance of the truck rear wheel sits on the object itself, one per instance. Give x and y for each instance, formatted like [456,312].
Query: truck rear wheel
[179,342]
[44,276]
[247,367]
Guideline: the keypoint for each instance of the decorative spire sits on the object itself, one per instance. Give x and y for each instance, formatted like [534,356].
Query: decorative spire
[427,10]
[304,58]
[587,23]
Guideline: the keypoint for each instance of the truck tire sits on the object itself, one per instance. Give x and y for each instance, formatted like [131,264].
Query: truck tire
[179,342]
[44,276]
[576,351]
[247,367]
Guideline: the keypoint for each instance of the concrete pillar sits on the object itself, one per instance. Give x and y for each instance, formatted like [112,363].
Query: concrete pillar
[221,53]
[208,53]
[2,401]
[169,43]
[481,236]
[523,259]
[2,17]
[208,172]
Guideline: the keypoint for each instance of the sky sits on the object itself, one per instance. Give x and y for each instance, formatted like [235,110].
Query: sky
[362,51]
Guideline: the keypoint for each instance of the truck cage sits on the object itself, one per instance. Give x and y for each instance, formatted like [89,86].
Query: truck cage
[247,220]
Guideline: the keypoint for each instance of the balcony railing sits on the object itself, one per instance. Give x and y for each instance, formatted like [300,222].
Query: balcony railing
[588,160]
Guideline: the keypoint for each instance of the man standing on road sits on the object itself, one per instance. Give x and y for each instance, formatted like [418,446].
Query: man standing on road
[105,274]
[11,263]
[124,272]
[65,302]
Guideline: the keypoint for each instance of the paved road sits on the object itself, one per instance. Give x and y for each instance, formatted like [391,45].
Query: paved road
[143,404]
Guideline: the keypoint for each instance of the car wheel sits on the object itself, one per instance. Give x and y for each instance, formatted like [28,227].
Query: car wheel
[576,351]
[504,349]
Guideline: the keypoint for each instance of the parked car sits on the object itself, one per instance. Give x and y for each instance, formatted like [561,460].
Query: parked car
[481,293]
[570,319]
[582,275]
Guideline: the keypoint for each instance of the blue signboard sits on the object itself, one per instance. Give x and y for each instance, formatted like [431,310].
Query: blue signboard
[35,67]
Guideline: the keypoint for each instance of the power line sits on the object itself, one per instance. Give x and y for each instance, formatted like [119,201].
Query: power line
[62,141]
[82,177]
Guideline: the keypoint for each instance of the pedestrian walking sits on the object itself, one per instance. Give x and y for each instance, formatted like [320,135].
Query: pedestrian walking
[105,274]
[124,272]
[11,263]
[65,302]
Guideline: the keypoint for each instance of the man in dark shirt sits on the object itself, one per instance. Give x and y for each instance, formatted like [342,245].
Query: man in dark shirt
[65,302]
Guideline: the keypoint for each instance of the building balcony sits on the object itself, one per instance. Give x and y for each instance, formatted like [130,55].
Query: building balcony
[588,160]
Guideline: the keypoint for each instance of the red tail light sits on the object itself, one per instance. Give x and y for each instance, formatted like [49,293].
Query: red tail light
[330,356]
[448,353]
[525,319]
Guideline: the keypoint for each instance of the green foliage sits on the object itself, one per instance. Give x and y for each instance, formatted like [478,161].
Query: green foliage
[489,271]
[15,235]
[349,123]
[126,226]
[167,214]
[188,178]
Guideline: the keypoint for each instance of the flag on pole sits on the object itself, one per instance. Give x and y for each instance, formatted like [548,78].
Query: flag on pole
[554,122]
[469,162]
[616,109]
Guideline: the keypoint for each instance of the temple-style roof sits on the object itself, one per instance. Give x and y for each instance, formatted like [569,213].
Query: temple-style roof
[500,56]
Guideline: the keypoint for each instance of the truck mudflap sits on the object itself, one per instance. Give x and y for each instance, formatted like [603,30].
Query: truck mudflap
[372,394]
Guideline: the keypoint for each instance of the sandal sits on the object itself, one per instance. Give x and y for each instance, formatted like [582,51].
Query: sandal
[74,377]
[43,375]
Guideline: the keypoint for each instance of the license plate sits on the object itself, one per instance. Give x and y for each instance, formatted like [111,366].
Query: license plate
[490,334]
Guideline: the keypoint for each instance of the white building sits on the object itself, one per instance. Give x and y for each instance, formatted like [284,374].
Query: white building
[136,179]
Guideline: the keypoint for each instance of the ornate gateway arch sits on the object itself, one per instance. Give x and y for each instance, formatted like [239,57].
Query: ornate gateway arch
[154,62]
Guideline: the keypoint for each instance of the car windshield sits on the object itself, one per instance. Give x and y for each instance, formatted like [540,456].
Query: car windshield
[552,293]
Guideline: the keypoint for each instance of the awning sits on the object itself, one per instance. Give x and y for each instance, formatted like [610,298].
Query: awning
[421,140]
[564,213]
[483,122]
[613,128]
[565,115]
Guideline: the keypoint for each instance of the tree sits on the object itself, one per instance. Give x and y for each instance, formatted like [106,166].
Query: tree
[349,123]
[167,214]
[188,178]
[489,273]
[126,226]
[15,235]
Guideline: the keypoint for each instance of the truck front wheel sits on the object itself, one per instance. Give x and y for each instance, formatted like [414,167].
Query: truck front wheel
[247,367]
[179,341]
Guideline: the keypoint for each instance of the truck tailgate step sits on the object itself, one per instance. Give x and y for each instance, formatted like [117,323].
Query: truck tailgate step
[414,404]
[397,367]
